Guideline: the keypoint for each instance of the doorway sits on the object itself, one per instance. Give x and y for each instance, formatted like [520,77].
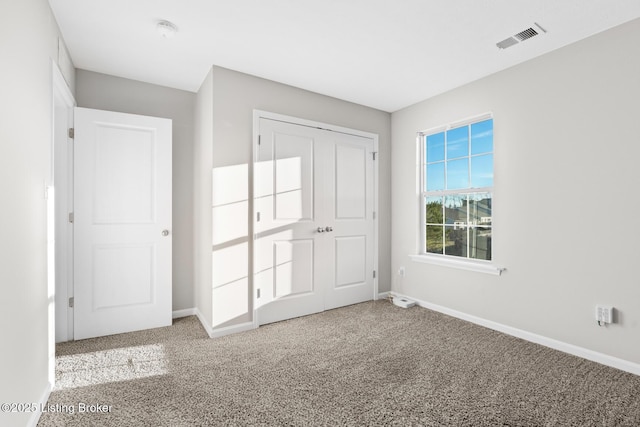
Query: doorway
[113,210]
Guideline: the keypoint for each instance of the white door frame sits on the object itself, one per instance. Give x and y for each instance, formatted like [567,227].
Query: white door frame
[260,114]
[62,167]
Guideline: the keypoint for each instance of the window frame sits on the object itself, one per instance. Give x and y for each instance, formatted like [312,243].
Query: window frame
[465,263]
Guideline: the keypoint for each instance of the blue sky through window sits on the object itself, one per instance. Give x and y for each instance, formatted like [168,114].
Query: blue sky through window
[435,177]
[482,137]
[468,162]
[435,147]
[458,174]
[458,142]
[482,171]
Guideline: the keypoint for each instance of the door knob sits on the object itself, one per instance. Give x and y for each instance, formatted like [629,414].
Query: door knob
[320,230]
[165,233]
[328,229]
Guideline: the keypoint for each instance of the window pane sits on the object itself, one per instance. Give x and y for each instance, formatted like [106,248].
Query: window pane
[458,174]
[434,239]
[455,241]
[434,210]
[480,245]
[458,142]
[482,137]
[480,209]
[482,171]
[435,147]
[435,176]
[456,210]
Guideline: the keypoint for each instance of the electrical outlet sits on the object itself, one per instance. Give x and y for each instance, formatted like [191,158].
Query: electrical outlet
[604,314]
[401,271]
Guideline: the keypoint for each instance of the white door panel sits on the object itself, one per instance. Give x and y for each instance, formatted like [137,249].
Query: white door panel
[124,160]
[122,223]
[350,260]
[293,171]
[293,267]
[122,275]
[351,208]
[314,237]
[285,247]
[351,181]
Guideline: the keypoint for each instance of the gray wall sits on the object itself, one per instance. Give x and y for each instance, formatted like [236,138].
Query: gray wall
[566,175]
[30,40]
[100,91]
[235,96]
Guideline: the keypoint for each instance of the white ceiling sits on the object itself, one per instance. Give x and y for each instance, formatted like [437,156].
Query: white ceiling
[385,54]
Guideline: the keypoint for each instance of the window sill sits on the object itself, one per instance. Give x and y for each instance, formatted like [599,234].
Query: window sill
[461,264]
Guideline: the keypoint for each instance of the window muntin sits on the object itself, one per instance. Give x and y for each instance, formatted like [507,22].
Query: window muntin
[457,190]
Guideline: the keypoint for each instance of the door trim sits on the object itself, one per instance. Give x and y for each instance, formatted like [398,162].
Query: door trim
[261,114]
[63,289]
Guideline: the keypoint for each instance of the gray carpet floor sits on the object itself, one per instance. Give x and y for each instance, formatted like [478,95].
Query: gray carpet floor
[370,364]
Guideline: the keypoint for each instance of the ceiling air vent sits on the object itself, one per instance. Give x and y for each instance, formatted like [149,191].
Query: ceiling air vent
[507,43]
[521,36]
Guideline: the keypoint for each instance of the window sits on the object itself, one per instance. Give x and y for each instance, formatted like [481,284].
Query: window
[457,190]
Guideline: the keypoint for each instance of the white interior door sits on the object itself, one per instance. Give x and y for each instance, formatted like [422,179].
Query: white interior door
[349,207]
[313,193]
[286,194]
[122,223]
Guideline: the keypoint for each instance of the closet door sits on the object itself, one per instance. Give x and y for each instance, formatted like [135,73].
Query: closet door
[313,193]
[348,207]
[287,196]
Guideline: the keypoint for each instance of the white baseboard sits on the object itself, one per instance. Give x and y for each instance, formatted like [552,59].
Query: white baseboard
[214,333]
[193,312]
[242,327]
[203,321]
[35,416]
[383,295]
[183,313]
[574,350]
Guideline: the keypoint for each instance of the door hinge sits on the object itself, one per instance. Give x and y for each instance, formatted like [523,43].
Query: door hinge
[374,274]
[71,217]
[375,154]
[259,140]
[258,293]
[72,133]
[71,302]
[374,214]
[257,216]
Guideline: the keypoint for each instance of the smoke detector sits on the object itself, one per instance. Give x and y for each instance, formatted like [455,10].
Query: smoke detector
[167,29]
[523,35]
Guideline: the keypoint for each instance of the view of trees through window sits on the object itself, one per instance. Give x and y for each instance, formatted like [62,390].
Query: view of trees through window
[457,190]
[459,225]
